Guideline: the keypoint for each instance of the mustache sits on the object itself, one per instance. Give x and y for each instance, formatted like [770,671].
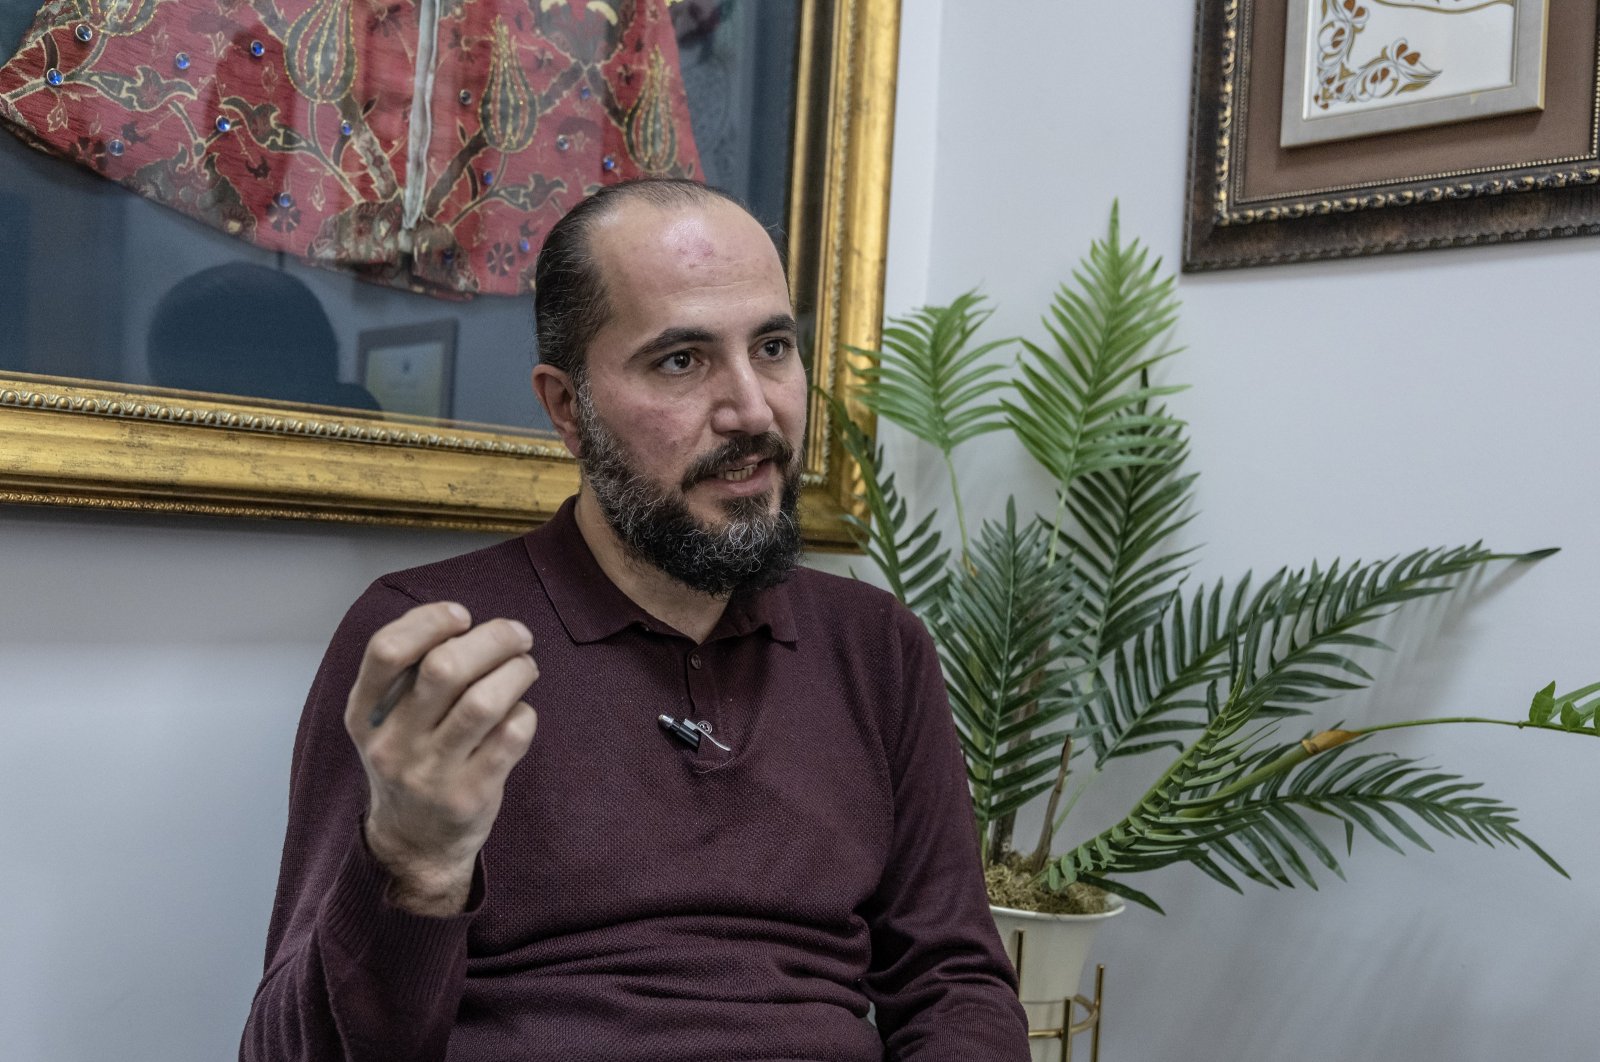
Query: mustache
[768,446]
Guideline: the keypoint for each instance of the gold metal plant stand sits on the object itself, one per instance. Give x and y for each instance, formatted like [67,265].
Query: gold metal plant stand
[1069,1028]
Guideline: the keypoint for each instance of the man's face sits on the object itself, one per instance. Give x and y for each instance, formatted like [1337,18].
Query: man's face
[693,408]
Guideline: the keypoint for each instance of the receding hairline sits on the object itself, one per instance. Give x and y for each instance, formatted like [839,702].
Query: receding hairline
[615,215]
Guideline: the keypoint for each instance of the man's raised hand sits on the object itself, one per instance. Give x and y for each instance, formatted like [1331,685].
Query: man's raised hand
[436,767]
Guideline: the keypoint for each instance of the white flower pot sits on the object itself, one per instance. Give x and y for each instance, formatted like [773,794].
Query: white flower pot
[1054,953]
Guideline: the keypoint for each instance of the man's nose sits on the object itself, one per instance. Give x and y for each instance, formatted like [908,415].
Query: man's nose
[741,406]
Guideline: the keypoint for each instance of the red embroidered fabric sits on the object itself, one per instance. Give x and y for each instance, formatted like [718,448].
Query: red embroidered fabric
[428,144]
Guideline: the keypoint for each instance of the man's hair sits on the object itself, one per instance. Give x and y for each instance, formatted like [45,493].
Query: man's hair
[569,295]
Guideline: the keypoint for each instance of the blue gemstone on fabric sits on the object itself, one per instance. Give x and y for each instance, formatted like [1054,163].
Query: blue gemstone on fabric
[285,200]
[523,245]
[465,97]
[223,124]
[609,163]
[181,60]
[83,33]
[562,143]
[53,76]
[585,92]
[345,128]
[488,178]
[258,49]
[115,147]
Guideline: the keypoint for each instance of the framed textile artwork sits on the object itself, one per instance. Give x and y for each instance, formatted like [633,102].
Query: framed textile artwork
[182,172]
[1333,128]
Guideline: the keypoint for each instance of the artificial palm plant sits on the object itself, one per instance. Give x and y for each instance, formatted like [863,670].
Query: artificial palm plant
[1073,641]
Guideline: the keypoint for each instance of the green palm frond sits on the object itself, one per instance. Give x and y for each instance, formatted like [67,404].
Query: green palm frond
[1079,406]
[1123,516]
[1155,832]
[1304,624]
[1157,681]
[1298,659]
[930,380]
[1001,635]
[913,565]
[1223,804]
[1382,795]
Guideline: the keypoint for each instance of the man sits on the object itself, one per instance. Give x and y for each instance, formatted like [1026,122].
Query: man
[795,843]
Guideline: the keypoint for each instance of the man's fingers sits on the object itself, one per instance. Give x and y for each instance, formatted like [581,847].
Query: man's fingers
[483,706]
[394,648]
[455,666]
[508,742]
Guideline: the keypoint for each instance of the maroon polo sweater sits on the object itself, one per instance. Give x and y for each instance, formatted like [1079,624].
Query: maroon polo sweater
[638,901]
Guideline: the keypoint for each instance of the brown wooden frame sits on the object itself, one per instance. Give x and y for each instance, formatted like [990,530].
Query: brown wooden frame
[1508,178]
[113,446]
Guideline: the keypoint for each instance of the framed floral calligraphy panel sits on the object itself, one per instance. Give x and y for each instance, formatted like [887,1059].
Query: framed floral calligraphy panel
[1332,128]
[210,208]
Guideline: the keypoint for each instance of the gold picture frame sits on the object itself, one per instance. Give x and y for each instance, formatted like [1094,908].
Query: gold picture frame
[105,445]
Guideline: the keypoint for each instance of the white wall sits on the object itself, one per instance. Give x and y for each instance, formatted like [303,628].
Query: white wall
[151,668]
[1354,409]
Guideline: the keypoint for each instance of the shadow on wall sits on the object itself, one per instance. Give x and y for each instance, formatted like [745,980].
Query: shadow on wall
[242,329]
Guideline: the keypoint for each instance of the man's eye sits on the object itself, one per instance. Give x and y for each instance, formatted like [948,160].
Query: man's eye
[775,348]
[682,361]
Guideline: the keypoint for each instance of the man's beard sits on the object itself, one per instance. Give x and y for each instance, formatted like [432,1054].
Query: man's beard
[754,549]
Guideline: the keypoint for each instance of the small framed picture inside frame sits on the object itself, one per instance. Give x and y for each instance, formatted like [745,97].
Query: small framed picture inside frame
[409,369]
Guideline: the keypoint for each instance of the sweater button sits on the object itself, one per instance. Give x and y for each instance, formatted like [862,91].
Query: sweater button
[694,661]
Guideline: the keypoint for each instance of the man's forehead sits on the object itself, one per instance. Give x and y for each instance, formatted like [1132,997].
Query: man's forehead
[650,258]
[688,233]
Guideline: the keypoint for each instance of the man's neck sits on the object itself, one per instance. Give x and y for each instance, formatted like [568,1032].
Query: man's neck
[665,598]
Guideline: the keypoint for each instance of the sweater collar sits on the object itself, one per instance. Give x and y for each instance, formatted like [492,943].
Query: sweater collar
[592,608]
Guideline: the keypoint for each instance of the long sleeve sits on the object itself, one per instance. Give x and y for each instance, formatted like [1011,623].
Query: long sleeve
[349,976]
[941,984]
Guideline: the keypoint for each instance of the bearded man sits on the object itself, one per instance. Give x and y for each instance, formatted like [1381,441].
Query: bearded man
[744,823]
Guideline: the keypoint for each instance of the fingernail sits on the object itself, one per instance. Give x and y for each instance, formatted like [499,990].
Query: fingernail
[459,612]
[522,630]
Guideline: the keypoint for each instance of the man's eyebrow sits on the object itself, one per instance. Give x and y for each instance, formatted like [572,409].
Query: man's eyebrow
[778,322]
[673,337]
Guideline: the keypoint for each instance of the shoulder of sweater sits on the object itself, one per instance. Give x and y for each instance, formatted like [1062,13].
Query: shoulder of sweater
[483,569]
[846,600]
[817,583]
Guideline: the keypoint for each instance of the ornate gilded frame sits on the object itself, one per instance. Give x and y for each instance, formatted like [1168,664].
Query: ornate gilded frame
[1486,181]
[112,446]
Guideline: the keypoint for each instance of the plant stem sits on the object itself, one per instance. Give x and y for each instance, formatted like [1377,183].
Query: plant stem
[1072,801]
[1047,834]
[1333,738]
[1520,724]
[961,515]
[1061,515]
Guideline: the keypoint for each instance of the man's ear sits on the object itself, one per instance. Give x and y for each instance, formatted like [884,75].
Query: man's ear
[560,400]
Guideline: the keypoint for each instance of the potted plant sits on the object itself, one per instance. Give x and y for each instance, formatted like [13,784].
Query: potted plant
[1074,644]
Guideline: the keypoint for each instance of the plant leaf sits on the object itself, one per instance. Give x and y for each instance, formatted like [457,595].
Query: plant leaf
[929,378]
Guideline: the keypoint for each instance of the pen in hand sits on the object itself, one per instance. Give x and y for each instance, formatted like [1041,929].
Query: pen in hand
[397,689]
